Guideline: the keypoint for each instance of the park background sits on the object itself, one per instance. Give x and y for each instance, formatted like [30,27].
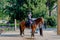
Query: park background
[14,11]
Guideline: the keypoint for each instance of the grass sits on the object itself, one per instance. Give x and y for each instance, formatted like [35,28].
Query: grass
[12,25]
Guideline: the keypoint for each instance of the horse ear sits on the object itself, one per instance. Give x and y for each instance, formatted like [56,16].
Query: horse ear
[41,17]
[43,20]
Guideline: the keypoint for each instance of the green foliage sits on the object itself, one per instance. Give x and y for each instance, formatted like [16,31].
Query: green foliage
[50,4]
[11,25]
[51,21]
[2,5]
[18,9]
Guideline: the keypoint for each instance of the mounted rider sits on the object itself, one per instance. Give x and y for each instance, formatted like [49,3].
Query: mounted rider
[30,18]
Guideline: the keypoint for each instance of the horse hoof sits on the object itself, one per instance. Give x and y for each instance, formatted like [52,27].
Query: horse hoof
[42,35]
[32,35]
[21,35]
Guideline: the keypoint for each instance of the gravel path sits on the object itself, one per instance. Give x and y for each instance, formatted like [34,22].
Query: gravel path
[48,34]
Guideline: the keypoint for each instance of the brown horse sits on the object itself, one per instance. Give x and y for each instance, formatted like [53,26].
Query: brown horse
[38,21]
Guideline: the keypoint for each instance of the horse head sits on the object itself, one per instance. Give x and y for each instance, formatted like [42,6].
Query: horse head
[39,20]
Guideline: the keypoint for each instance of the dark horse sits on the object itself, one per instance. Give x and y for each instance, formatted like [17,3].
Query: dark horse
[36,22]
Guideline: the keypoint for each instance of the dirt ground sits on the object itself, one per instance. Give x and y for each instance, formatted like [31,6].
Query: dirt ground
[48,34]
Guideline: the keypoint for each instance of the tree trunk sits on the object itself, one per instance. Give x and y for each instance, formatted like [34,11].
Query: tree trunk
[49,12]
[58,19]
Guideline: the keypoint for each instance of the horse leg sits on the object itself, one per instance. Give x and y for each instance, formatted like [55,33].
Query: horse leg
[32,34]
[41,33]
[40,30]
[20,30]
[33,31]
[23,31]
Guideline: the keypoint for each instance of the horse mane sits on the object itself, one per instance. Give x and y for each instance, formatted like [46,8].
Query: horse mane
[38,20]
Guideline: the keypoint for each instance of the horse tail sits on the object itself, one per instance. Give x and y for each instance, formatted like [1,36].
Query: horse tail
[20,29]
[20,25]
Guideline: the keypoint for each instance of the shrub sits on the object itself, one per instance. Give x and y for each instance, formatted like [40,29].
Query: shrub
[51,21]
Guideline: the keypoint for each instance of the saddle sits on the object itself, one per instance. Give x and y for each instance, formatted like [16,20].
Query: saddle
[29,23]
